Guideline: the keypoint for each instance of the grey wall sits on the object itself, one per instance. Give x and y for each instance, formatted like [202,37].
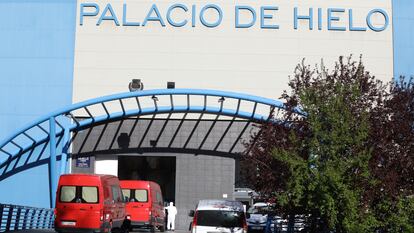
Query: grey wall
[201,177]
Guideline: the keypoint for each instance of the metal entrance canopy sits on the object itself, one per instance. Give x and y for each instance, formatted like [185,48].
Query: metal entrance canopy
[47,139]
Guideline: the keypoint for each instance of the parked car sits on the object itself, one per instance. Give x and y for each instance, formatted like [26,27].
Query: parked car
[257,217]
[218,216]
[90,203]
[145,206]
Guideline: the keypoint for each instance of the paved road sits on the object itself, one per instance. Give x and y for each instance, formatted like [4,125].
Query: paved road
[51,231]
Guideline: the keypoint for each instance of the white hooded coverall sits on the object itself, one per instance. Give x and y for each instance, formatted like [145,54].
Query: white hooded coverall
[172,211]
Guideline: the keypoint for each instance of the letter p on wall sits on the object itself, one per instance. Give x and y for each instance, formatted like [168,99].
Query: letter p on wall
[83,13]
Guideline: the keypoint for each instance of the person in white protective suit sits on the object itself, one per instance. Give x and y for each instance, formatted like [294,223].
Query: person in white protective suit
[172,211]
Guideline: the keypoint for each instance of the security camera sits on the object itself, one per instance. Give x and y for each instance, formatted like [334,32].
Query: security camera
[136,85]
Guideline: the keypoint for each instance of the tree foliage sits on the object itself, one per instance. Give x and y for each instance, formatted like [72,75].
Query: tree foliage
[348,164]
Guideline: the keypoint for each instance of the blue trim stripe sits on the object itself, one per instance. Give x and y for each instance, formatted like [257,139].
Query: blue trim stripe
[403,37]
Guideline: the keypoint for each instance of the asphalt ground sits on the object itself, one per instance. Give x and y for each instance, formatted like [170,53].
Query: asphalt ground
[51,231]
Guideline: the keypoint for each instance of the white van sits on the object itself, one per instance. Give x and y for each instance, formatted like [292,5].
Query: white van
[218,216]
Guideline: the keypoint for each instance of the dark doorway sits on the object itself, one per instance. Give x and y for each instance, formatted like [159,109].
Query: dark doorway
[154,168]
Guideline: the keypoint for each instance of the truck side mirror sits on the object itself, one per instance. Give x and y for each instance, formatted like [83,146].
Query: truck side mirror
[191,213]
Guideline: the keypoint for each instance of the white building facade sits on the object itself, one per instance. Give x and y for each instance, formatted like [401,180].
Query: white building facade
[58,52]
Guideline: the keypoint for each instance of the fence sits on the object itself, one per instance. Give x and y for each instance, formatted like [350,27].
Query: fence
[14,217]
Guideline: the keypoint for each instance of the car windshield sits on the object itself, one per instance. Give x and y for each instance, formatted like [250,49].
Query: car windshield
[258,210]
[219,218]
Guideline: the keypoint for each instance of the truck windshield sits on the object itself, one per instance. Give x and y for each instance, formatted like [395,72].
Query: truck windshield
[79,194]
[219,218]
[136,195]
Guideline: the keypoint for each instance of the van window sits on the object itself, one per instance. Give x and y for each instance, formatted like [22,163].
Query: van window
[67,193]
[141,195]
[136,195]
[116,194]
[79,194]
[90,194]
[127,193]
[159,197]
[219,218]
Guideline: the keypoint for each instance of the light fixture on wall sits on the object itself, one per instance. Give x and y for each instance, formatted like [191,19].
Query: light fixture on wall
[170,85]
[136,85]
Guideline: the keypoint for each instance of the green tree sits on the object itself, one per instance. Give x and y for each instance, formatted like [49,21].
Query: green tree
[330,179]
[339,165]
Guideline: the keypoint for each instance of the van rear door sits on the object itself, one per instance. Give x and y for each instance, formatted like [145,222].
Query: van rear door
[78,206]
[138,206]
[218,221]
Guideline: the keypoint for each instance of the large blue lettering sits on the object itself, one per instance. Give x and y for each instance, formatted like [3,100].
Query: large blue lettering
[245,17]
[332,18]
[252,12]
[111,15]
[372,26]
[193,16]
[264,16]
[309,17]
[351,23]
[220,15]
[319,19]
[154,9]
[83,13]
[172,22]
[124,18]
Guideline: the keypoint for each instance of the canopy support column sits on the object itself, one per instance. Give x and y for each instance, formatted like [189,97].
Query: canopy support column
[65,148]
[52,161]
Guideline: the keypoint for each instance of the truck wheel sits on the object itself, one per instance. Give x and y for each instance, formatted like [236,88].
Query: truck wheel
[119,230]
[162,228]
[126,226]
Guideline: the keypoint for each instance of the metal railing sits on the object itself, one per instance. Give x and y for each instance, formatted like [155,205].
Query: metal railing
[14,217]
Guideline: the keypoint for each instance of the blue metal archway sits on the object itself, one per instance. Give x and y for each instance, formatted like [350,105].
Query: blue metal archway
[47,139]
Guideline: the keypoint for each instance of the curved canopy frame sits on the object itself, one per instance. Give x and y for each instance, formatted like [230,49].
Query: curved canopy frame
[28,147]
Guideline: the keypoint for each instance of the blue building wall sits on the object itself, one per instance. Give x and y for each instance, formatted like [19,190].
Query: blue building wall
[36,59]
[403,22]
[37,39]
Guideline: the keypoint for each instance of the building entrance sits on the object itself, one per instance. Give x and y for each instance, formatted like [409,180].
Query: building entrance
[160,169]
